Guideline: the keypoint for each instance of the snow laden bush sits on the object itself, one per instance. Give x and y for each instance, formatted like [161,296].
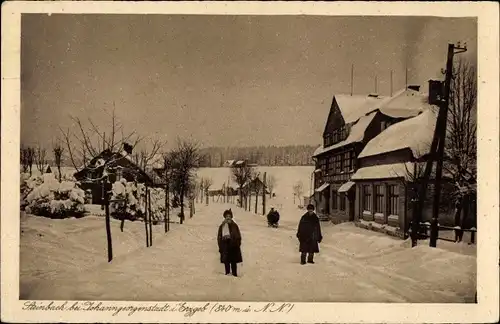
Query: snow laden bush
[54,199]
[128,201]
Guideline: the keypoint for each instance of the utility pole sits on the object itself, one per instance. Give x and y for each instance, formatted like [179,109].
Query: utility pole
[452,50]
[352,78]
[435,154]
[391,83]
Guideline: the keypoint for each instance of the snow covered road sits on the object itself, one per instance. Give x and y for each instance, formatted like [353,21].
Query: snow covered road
[354,265]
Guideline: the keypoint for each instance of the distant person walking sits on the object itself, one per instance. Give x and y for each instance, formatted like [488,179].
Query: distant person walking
[309,235]
[273,217]
[229,241]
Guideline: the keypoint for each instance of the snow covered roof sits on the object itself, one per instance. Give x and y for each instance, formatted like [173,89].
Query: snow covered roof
[384,171]
[322,187]
[346,186]
[407,103]
[356,106]
[415,133]
[356,134]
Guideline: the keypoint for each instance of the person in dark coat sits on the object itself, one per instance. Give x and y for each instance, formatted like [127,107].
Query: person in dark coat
[309,235]
[273,217]
[229,241]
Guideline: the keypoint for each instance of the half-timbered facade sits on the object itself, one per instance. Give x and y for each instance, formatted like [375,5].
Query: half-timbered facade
[352,122]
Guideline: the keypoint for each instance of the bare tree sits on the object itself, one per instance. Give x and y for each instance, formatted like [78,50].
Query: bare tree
[27,158]
[206,183]
[271,184]
[147,156]
[242,173]
[298,190]
[256,189]
[87,141]
[40,158]
[460,160]
[58,151]
[186,160]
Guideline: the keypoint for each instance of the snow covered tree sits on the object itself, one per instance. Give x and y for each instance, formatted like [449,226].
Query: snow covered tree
[27,158]
[298,190]
[270,183]
[242,173]
[460,159]
[58,151]
[185,161]
[40,158]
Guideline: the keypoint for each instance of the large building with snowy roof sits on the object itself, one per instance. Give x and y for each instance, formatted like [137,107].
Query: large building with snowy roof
[353,121]
[385,167]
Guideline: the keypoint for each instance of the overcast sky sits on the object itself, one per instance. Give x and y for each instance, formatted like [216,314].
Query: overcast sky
[224,80]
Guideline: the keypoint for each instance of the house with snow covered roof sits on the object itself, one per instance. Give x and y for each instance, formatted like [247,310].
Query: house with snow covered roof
[387,165]
[122,167]
[352,122]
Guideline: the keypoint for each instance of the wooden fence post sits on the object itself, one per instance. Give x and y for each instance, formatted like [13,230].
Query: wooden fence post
[108,221]
[264,196]
[150,219]
[146,217]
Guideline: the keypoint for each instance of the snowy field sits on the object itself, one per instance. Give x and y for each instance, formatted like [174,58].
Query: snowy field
[66,259]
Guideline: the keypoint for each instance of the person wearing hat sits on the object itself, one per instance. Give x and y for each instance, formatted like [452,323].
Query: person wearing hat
[229,241]
[309,235]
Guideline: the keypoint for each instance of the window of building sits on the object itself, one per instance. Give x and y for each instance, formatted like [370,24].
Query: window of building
[338,164]
[352,158]
[393,200]
[347,161]
[334,199]
[328,139]
[342,201]
[367,198]
[331,165]
[379,199]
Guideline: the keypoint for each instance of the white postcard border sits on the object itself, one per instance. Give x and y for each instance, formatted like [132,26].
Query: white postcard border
[488,147]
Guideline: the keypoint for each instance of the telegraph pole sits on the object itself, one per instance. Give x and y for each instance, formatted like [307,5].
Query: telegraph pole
[436,154]
[452,50]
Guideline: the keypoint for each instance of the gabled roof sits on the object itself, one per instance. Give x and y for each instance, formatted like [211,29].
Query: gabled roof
[114,159]
[356,134]
[415,133]
[354,107]
[361,110]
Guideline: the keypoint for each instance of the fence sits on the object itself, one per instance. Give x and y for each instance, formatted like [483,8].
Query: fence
[425,229]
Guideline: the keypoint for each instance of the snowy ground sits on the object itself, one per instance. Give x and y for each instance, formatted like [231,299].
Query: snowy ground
[355,265]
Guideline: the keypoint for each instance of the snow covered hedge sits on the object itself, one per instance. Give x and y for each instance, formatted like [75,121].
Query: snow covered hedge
[133,201]
[45,196]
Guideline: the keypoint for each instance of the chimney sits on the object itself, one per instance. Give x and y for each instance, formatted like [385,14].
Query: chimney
[435,92]
[127,148]
[414,87]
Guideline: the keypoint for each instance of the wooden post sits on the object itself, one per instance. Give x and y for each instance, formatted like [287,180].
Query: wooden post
[256,199]
[150,219]
[441,134]
[108,221]
[165,220]
[206,197]
[264,196]
[191,204]
[146,218]
[168,205]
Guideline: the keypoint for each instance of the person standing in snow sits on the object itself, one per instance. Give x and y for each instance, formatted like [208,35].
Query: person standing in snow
[309,235]
[229,241]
